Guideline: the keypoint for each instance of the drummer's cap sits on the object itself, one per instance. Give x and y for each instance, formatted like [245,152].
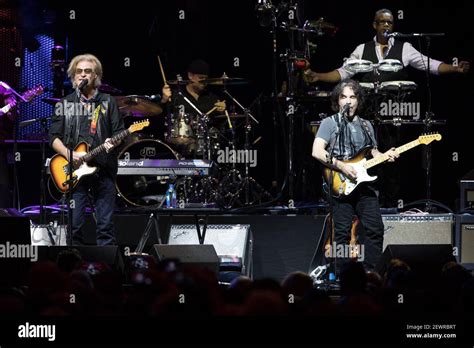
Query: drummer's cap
[199,67]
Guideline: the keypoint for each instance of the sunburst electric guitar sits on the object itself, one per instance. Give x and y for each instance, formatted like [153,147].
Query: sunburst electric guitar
[59,165]
[343,186]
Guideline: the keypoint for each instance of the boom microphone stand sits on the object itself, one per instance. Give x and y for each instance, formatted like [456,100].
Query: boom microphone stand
[428,121]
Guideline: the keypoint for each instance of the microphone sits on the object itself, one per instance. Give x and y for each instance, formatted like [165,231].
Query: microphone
[83,84]
[387,35]
[345,109]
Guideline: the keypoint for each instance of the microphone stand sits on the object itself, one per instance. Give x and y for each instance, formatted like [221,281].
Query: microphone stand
[69,202]
[428,114]
[330,199]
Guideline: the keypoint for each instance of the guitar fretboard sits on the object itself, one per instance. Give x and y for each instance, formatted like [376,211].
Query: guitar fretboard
[99,149]
[380,159]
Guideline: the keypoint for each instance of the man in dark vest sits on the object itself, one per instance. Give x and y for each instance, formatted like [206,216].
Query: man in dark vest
[382,47]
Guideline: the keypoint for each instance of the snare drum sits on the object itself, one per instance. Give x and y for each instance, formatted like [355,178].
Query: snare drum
[390,65]
[144,190]
[358,66]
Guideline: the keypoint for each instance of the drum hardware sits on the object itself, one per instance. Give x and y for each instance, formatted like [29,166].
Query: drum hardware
[233,182]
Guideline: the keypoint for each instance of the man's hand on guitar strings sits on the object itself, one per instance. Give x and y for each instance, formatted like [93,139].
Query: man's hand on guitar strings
[392,154]
[109,145]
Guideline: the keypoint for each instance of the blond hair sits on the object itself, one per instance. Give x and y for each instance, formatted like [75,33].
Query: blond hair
[71,70]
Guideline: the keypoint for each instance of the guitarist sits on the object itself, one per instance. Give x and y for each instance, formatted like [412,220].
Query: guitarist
[93,117]
[331,147]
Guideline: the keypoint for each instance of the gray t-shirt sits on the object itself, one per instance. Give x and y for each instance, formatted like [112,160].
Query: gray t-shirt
[355,137]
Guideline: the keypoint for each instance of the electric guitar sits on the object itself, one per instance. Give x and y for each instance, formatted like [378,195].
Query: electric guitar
[28,95]
[59,165]
[343,186]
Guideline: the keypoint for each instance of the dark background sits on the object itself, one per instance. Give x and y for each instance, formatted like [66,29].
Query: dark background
[219,31]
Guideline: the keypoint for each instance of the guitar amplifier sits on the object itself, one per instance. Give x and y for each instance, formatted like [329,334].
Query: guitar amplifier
[467,191]
[233,244]
[48,235]
[418,229]
[465,240]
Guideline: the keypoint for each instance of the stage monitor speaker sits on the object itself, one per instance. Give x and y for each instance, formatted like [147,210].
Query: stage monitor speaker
[195,255]
[425,260]
[233,244]
[465,240]
[16,253]
[418,229]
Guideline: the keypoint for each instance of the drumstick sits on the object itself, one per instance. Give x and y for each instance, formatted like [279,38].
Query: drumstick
[228,119]
[211,111]
[162,71]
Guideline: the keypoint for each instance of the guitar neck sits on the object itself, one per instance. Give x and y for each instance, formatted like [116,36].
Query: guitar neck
[100,149]
[382,158]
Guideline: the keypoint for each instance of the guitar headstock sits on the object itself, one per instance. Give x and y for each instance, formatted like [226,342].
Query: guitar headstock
[138,126]
[428,138]
[31,93]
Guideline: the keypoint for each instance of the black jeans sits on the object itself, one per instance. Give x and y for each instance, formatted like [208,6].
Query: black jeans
[102,189]
[363,202]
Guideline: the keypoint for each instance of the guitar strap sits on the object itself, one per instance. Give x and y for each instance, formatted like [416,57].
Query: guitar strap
[366,128]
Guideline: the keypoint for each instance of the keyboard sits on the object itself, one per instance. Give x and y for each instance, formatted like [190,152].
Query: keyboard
[194,167]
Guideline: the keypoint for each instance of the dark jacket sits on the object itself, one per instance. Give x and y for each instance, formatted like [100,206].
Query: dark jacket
[69,121]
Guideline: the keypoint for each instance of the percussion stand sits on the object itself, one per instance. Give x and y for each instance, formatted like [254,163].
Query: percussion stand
[247,180]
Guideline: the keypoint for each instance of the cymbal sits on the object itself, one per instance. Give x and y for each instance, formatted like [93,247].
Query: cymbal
[225,81]
[105,88]
[51,101]
[138,106]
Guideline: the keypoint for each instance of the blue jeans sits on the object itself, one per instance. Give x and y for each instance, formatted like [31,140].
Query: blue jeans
[102,189]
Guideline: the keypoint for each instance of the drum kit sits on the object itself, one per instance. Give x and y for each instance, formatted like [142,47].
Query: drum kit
[187,136]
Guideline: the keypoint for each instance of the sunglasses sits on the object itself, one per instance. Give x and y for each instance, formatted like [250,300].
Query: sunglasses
[87,71]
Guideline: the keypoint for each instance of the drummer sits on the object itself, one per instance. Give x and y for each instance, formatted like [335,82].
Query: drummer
[381,48]
[195,91]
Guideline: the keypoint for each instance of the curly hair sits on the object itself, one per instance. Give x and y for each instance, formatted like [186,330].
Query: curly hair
[337,91]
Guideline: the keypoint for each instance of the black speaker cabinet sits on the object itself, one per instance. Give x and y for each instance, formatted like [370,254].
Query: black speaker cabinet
[465,240]
[16,252]
[194,255]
